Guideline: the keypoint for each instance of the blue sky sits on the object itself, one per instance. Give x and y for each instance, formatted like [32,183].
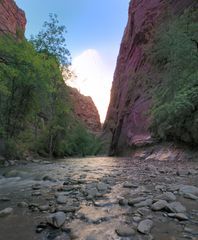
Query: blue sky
[95,29]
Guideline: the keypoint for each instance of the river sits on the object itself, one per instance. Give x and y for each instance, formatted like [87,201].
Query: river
[96,195]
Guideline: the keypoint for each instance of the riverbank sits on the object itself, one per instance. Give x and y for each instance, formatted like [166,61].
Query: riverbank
[101,198]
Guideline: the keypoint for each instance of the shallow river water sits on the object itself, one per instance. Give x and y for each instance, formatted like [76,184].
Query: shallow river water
[97,196]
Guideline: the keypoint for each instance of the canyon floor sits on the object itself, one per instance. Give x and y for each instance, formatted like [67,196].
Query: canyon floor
[143,197]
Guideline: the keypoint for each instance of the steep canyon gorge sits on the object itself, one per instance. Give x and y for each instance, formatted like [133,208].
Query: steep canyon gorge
[128,118]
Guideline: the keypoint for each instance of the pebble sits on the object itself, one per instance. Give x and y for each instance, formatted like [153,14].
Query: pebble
[133,201]
[22,204]
[145,226]
[125,231]
[175,207]
[167,196]
[56,219]
[145,203]
[6,211]
[159,205]
[179,216]
[61,199]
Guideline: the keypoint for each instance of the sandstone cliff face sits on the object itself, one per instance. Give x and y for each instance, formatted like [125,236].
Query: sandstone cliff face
[85,110]
[12,18]
[127,120]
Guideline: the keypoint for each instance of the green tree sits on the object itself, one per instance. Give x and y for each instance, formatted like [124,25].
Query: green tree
[175,57]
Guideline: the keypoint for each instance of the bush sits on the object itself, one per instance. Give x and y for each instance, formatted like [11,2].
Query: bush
[175,56]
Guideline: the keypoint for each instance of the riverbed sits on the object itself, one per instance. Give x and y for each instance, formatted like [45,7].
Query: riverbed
[102,198]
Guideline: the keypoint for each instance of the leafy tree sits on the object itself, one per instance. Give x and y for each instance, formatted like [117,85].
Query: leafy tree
[51,40]
[175,56]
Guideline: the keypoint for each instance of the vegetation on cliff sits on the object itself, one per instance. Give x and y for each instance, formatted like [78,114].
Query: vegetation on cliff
[175,56]
[35,109]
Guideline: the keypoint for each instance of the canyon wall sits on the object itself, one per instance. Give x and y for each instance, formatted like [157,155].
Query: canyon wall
[127,121]
[85,109]
[12,18]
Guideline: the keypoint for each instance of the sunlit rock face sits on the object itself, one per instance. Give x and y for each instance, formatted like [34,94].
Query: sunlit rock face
[85,109]
[127,121]
[12,18]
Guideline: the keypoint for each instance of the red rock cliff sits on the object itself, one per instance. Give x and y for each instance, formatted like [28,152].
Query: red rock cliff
[85,110]
[12,18]
[127,120]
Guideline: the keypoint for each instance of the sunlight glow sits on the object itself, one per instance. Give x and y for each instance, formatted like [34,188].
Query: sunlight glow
[93,79]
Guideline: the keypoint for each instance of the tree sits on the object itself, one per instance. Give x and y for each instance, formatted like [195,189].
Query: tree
[175,57]
[51,40]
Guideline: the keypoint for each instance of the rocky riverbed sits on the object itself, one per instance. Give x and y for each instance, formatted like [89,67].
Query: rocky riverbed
[137,198]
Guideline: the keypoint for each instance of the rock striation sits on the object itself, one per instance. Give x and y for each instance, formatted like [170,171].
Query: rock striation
[85,109]
[12,18]
[127,122]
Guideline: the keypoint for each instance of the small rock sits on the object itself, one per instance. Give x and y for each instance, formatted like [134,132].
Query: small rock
[44,208]
[5,199]
[159,205]
[179,216]
[130,185]
[22,204]
[188,189]
[190,196]
[36,193]
[56,219]
[133,201]
[6,211]
[123,202]
[125,231]
[61,199]
[167,196]
[102,187]
[145,226]
[145,203]
[175,207]
[36,186]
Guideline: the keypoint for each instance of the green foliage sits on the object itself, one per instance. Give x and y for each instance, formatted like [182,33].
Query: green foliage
[51,40]
[35,109]
[175,56]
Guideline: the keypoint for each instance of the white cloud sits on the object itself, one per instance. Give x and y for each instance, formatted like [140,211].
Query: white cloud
[93,79]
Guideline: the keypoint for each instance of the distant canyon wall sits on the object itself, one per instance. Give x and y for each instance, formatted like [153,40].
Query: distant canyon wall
[127,122]
[12,18]
[85,109]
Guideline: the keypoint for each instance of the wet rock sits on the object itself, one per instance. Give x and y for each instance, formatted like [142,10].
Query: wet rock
[61,199]
[67,209]
[145,226]
[123,202]
[179,216]
[167,196]
[145,203]
[137,219]
[132,201]
[36,186]
[6,211]
[36,193]
[15,173]
[185,189]
[159,205]
[190,196]
[48,178]
[175,207]
[143,211]
[44,208]
[56,219]
[102,187]
[22,204]
[4,199]
[125,231]
[130,185]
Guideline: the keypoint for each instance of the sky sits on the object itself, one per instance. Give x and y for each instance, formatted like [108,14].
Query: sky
[94,32]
